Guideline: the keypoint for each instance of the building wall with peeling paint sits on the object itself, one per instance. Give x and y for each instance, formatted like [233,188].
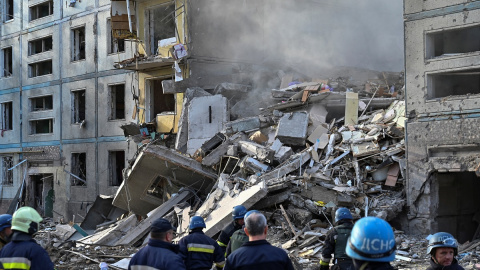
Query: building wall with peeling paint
[442,105]
[49,155]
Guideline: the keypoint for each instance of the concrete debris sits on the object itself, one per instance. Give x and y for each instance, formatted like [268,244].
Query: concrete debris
[326,145]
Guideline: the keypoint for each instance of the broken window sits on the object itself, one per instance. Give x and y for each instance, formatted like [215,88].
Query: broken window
[78,106]
[40,45]
[461,82]
[41,103]
[79,169]
[161,25]
[7,175]
[162,188]
[158,102]
[40,68]
[117,101]
[116,164]
[39,182]
[8,9]
[116,45]
[78,44]
[7,115]
[43,126]
[452,42]
[41,10]
[7,62]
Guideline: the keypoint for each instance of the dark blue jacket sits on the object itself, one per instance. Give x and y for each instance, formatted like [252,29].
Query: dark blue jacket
[259,255]
[24,253]
[158,255]
[200,251]
[453,266]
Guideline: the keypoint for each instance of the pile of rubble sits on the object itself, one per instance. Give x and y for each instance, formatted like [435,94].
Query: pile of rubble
[321,145]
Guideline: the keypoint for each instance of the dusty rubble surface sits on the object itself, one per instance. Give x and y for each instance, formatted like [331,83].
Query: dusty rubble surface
[318,144]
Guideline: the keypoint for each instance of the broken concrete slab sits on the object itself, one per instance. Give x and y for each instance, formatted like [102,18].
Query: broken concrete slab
[292,164]
[222,215]
[284,153]
[206,118]
[111,235]
[318,114]
[182,133]
[351,108]
[257,151]
[158,167]
[144,226]
[272,200]
[100,212]
[319,131]
[247,124]
[292,128]
[216,154]
[207,82]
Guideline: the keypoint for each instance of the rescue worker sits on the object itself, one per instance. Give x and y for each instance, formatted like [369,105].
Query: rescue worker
[159,253]
[371,244]
[198,250]
[239,237]
[23,252]
[5,229]
[238,213]
[336,241]
[443,248]
[257,253]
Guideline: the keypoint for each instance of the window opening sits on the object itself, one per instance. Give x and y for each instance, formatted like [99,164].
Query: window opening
[8,10]
[161,25]
[78,44]
[42,103]
[79,168]
[7,115]
[40,68]
[116,164]
[117,102]
[7,175]
[40,45]
[7,62]
[43,126]
[41,10]
[78,106]
[116,45]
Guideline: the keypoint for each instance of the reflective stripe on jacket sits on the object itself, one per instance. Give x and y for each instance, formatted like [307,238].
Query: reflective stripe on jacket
[200,251]
[24,253]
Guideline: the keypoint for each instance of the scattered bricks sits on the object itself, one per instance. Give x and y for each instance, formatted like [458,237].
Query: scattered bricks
[292,128]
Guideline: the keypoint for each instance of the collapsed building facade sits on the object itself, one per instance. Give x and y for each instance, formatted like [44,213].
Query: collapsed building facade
[442,82]
[62,104]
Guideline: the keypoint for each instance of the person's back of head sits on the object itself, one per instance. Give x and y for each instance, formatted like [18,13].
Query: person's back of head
[256,225]
[196,223]
[343,215]
[372,240]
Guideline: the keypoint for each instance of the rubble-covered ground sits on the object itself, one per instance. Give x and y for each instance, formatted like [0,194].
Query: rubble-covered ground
[314,145]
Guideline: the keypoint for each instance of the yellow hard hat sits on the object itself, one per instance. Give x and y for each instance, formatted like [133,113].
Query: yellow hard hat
[26,220]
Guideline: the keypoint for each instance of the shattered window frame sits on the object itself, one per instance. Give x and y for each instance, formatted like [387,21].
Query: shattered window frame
[78,105]
[7,62]
[116,101]
[41,10]
[41,103]
[7,175]
[41,68]
[41,126]
[115,45]
[40,45]
[78,41]
[152,22]
[6,114]
[159,183]
[115,175]
[79,168]
[8,6]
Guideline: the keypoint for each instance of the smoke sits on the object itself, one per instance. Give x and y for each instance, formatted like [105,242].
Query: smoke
[305,34]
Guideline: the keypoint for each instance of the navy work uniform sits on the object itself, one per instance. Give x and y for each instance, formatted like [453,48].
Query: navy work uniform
[200,251]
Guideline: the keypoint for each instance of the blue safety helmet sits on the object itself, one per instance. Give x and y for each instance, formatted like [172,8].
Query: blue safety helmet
[442,239]
[342,213]
[250,212]
[5,221]
[196,222]
[238,212]
[372,239]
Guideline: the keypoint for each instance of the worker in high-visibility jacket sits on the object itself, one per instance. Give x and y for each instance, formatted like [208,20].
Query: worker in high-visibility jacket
[23,252]
[238,213]
[199,251]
